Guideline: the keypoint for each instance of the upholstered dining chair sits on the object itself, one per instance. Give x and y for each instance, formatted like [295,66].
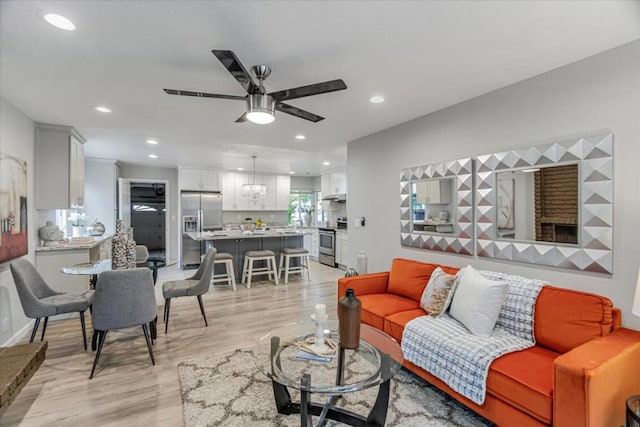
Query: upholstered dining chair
[123,299]
[40,301]
[197,285]
[142,254]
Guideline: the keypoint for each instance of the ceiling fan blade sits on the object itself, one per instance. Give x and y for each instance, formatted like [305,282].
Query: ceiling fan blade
[295,111]
[237,70]
[242,118]
[203,94]
[309,90]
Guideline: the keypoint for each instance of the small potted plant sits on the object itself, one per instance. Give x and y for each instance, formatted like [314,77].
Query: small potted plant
[78,224]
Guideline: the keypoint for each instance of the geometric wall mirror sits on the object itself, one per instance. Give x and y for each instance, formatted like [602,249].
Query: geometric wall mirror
[550,204]
[436,207]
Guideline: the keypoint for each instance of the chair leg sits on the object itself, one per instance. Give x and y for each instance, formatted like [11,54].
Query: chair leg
[102,335]
[280,264]
[249,272]
[145,330]
[243,279]
[35,329]
[167,307]
[84,330]
[306,260]
[232,274]
[204,316]
[274,266]
[44,327]
[287,262]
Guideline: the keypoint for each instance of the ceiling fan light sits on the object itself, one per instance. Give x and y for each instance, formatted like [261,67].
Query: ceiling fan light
[261,109]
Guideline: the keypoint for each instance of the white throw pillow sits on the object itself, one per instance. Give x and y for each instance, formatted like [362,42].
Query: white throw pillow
[437,295]
[477,301]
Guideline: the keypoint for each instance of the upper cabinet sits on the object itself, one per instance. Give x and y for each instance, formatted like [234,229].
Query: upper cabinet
[333,183]
[278,189]
[198,179]
[437,191]
[59,167]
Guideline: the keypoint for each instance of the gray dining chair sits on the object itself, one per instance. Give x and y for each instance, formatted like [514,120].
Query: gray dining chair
[196,285]
[123,299]
[142,254]
[40,301]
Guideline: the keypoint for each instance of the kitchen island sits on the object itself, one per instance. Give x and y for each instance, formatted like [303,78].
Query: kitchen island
[237,244]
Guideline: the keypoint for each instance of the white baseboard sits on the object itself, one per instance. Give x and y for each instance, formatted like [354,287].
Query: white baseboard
[18,335]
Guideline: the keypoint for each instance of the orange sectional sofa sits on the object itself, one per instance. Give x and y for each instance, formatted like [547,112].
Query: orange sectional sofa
[580,372]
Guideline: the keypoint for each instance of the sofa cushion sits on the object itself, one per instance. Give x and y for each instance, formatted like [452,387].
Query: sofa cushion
[408,278]
[394,323]
[437,296]
[375,307]
[524,379]
[477,301]
[565,318]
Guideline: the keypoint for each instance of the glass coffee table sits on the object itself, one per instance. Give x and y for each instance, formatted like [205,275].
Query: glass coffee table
[373,364]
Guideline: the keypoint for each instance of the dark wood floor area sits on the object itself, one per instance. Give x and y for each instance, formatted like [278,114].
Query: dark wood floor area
[127,390]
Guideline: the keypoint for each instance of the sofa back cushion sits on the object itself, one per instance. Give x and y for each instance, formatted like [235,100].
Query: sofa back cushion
[408,278]
[565,318]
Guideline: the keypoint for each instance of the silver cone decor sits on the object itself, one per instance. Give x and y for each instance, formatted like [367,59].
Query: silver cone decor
[131,249]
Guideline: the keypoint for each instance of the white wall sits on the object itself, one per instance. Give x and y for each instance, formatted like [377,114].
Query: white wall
[100,195]
[171,175]
[596,93]
[17,138]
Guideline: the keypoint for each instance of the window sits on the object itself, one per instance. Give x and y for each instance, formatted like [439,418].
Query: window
[301,207]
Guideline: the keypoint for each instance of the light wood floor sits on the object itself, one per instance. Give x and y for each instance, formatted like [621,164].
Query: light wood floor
[127,389]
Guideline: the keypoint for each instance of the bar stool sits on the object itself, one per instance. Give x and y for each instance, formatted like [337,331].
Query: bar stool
[228,276]
[252,256]
[303,258]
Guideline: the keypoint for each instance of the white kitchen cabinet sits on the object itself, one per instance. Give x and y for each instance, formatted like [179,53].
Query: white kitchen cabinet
[229,200]
[333,183]
[433,191]
[307,242]
[315,245]
[59,167]
[101,200]
[278,189]
[283,192]
[342,248]
[198,179]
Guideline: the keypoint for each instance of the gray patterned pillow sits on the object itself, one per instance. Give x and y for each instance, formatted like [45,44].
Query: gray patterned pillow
[437,296]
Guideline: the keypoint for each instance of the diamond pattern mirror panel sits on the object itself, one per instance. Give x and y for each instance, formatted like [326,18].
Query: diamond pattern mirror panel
[446,190]
[593,155]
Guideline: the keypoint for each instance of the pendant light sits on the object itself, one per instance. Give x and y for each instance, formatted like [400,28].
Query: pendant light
[254,190]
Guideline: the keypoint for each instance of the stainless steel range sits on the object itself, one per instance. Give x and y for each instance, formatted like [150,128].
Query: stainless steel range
[327,246]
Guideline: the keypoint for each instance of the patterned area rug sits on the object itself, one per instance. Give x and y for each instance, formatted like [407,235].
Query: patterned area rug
[228,390]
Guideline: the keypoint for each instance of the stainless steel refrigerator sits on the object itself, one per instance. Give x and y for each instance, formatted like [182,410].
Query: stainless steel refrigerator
[200,212]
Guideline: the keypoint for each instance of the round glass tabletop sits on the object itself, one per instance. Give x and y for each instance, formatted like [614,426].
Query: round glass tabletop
[376,360]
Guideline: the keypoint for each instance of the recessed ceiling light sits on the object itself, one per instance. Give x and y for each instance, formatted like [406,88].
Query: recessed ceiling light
[152,142]
[301,137]
[326,163]
[240,169]
[59,21]
[103,109]
[153,156]
[292,172]
[376,99]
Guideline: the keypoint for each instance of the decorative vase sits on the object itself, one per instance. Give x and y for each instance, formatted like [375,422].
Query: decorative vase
[77,231]
[349,308]
[131,249]
[119,248]
[50,234]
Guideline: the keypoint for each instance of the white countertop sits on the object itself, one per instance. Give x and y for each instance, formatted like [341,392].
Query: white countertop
[227,235]
[67,246]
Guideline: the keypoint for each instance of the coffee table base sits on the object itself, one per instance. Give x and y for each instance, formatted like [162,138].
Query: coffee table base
[308,409]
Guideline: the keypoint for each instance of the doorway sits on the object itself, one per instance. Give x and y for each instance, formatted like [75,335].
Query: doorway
[143,205]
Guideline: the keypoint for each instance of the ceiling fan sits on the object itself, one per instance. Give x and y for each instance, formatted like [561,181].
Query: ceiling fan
[261,105]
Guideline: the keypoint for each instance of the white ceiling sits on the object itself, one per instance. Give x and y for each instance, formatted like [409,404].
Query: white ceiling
[422,56]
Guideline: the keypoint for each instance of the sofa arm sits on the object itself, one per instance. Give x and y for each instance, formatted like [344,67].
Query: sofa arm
[592,382]
[375,283]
